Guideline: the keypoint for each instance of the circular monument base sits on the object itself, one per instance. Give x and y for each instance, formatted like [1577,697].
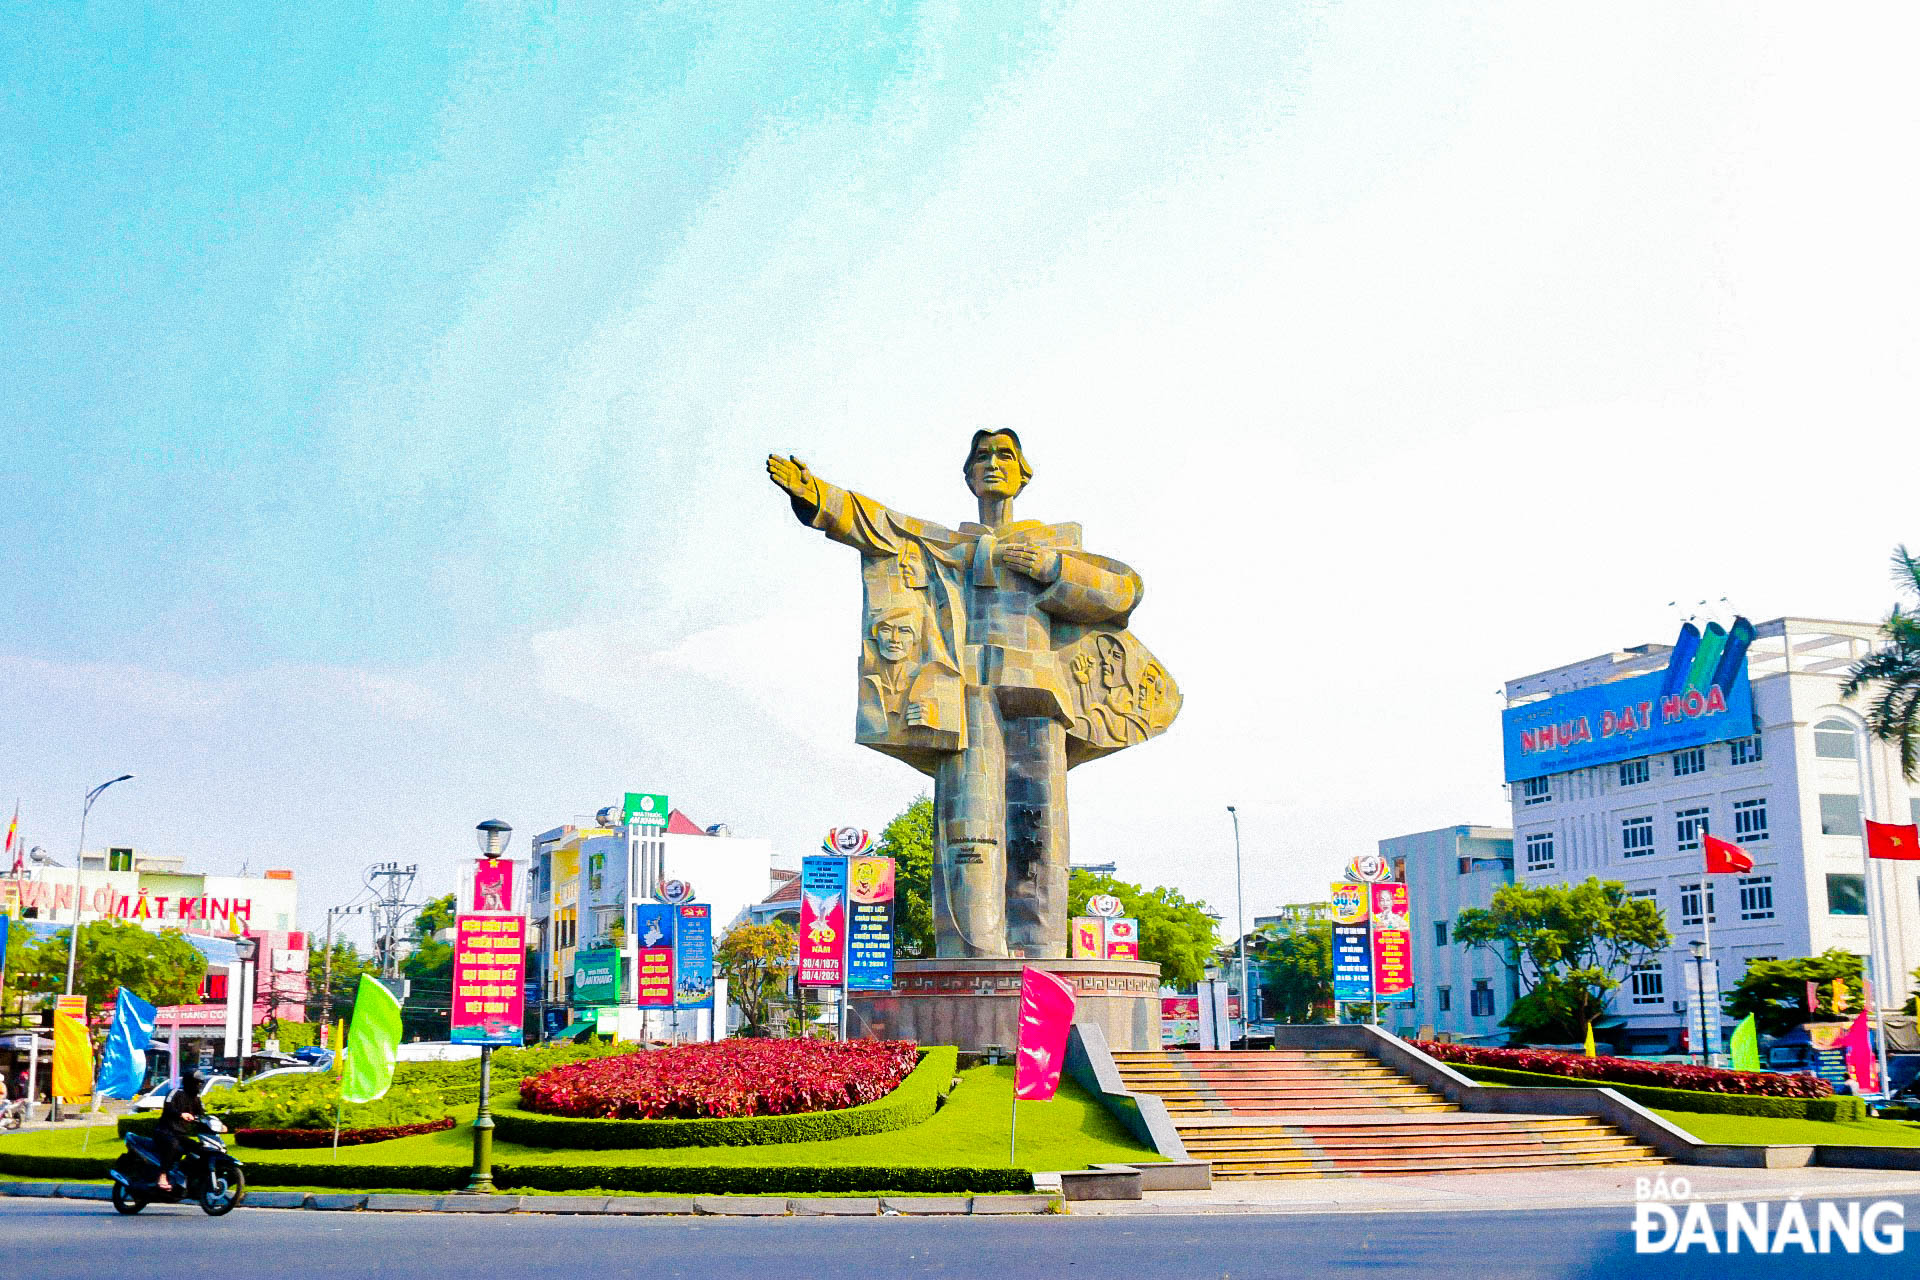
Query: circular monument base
[976,1003]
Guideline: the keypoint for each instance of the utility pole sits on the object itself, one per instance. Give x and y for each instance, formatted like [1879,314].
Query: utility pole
[390,907]
[326,982]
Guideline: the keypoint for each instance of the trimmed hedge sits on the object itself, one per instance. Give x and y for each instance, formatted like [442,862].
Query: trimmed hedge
[913,1102]
[1635,1071]
[146,1122]
[1836,1108]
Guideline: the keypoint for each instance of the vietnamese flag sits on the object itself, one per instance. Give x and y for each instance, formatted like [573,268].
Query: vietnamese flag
[1725,857]
[1886,840]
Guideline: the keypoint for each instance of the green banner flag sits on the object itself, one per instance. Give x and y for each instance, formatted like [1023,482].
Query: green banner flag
[374,1035]
[1746,1045]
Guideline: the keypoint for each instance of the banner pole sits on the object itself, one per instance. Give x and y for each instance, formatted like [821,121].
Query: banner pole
[92,1104]
[1013,1131]
[337,1104]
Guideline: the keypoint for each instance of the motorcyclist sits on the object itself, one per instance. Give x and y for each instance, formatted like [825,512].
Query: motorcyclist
[182,1109]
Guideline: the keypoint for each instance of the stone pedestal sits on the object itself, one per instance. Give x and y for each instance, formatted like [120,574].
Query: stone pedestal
[976,1003]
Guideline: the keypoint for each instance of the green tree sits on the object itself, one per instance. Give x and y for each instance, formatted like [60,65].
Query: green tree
[1175,933]
[427,1012]
[757,960]
[908,840]
[1775,991]
[1295,970]
[1570,946]
[348,965]
[162,968]
[1894,668]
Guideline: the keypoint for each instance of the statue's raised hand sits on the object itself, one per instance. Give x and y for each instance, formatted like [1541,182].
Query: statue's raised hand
[1042,564]
[792,475]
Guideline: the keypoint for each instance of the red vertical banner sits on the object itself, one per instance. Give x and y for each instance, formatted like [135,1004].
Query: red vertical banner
[489,979]
[823,921]
[1392,943]
[654,924]
[1046,1011]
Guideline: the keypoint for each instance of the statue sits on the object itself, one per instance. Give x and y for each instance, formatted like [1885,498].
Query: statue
[994,658]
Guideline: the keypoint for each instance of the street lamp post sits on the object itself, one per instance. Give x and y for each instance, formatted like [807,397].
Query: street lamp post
[73,936]
[493,835]
[1240,924]
[1699,948]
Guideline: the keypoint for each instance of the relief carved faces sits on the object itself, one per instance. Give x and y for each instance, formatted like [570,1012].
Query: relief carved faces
[1122,695]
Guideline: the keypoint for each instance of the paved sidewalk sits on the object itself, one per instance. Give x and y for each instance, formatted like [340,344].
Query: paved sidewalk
[1506,1191]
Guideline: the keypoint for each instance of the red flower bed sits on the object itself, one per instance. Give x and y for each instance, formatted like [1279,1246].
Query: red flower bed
[1664,1075]
[348,1137]
[730,1078]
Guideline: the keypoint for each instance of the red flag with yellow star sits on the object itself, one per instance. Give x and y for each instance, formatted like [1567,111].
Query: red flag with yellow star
[1888,840]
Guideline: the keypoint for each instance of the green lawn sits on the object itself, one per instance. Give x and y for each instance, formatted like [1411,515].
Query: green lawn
[1071,1131]
[1765,1129]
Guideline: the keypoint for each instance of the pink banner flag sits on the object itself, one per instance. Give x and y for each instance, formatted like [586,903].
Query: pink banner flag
[1861,1068]
[1813,997]
[1046,1011]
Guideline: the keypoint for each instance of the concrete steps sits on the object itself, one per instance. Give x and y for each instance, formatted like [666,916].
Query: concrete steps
[1339,1113]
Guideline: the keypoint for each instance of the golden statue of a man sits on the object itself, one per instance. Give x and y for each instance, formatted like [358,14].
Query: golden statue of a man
[994,657]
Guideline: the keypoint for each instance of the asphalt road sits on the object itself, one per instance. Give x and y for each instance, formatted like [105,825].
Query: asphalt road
[87,1238]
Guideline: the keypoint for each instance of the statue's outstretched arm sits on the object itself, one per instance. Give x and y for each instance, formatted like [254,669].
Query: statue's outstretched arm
[846,516]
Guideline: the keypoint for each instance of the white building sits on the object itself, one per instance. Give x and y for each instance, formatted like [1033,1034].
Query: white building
[587,879]
[1459,991]
[1788,787]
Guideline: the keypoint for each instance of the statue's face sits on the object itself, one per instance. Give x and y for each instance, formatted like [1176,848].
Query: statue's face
[894,639]
[1152,690]
[994,470]
[913,569]
[1113,668]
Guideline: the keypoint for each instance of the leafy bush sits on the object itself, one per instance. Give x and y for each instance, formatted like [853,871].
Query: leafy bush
[1659,1075]
[1836,1108]
[913,1102]
[348,1137]
[727,1079]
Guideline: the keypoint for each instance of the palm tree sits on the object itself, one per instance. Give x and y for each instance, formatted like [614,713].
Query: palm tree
[1895,715]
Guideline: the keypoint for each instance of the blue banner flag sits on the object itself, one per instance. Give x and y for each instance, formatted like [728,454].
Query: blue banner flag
[693,960]
[123,1062]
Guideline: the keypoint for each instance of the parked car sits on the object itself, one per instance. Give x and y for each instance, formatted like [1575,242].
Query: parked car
[157,1098]
[434,1051]
[304,1069]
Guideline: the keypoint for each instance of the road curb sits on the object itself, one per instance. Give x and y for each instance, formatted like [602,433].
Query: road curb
[614,1206]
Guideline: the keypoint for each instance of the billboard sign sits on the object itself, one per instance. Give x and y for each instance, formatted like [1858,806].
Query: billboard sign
[596,977]
[1179,1020]
[1702,696]
[653,929]
[646,809]
[489,979]
[823,921]
[693,957]
[1122,938]
[1392,949]
[870,891]
[1087,936]
[1352,954]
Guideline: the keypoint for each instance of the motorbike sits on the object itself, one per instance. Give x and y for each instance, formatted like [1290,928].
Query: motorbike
[13,1114]
[205,1173]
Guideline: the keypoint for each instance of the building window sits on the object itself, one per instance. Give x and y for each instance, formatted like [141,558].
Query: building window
[1445,999]
[1756,898]
[1692,760]
[1839,815]
[1847,895]
[1540,851]
[1439,933]
[1536,791]
[1633,772]
[1914,809]
[1834,740]
[119,860]
[1744,750]
[1636,836]
[1648,984]
[1480,999]
[1750,820]
[1690,904]
[1688,826]
[1649,894]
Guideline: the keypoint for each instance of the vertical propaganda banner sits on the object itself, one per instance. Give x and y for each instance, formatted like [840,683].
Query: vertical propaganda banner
[72,1049]
[693,979]
[870,893]
[1392,944]
[823,921]
[489,979]
[1088,939]
[1122,938]
[653,928]
[492,887]
[1179,1020]
[1352,957]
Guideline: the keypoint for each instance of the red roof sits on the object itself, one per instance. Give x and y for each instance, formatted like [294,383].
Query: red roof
[679,824]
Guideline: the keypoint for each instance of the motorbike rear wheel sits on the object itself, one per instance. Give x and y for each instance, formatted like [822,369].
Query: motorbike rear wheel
[226,1187]
[125,1201]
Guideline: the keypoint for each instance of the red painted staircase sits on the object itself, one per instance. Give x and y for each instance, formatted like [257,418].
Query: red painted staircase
[1340,1113]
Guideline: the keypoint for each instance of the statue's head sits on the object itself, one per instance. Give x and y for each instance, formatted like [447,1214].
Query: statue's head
[1113,660]
[896,634]
[996,465]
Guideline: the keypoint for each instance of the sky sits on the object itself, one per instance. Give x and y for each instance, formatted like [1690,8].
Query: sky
[386,390]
